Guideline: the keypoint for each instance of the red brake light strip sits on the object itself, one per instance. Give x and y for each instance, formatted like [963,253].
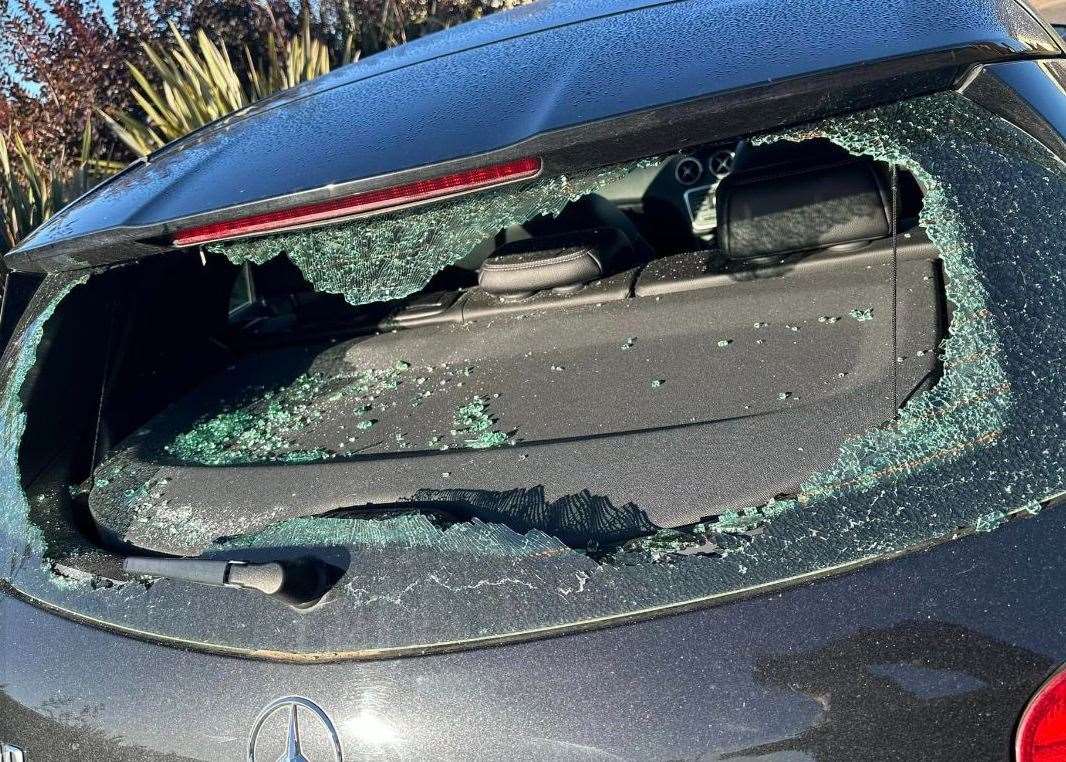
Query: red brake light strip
[361,203]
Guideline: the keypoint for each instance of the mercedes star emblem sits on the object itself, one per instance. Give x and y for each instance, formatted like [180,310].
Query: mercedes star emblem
[293,751]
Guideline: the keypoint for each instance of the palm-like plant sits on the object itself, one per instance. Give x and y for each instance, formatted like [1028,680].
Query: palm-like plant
[288,62]
[200,84]
[31,192]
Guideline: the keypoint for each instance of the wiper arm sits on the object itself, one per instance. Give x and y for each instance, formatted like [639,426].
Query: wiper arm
[266,578]
[299,583]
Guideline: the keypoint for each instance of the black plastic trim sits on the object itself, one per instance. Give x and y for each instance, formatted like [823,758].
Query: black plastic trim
[1029,94]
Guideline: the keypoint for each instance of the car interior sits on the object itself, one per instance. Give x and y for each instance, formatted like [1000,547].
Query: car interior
[697,338]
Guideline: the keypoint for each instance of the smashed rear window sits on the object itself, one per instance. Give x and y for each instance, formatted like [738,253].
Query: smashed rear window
[471,523]
[396,255]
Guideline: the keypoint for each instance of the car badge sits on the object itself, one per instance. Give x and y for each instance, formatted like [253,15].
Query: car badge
[293,751]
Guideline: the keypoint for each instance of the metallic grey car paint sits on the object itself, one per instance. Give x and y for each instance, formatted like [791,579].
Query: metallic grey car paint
[928,657]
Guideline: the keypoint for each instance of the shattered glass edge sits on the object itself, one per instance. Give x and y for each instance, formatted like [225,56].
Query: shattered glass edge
[996,451]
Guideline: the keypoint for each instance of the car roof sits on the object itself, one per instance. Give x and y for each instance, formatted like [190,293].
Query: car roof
[499,81]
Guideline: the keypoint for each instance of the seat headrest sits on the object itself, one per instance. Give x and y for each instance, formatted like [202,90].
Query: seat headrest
[560,262]
[803,210]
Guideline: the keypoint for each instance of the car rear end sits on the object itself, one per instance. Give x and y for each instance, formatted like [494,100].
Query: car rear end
[657,408]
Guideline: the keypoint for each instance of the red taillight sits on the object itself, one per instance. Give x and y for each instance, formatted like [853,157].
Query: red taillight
[361,203]
[1042,730]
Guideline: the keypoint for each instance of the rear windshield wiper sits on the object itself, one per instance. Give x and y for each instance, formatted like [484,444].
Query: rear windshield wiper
[300,583]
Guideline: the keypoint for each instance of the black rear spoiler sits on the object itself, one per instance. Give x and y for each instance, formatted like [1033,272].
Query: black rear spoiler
[311,149]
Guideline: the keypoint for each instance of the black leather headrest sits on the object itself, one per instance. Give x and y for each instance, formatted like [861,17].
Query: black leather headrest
[801,210]
[564,261]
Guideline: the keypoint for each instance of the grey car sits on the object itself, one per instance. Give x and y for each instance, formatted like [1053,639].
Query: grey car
[624,379]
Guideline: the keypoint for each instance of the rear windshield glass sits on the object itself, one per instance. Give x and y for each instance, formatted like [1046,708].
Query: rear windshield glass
[499,519]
